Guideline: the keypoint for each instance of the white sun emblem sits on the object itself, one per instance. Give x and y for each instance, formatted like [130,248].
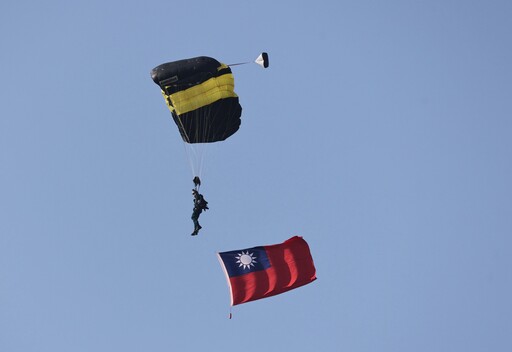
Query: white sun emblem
[246,260]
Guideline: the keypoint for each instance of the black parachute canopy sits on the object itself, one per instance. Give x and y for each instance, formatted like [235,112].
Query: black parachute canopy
[200,95]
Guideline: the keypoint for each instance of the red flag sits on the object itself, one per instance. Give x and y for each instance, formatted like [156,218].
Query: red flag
[265,271]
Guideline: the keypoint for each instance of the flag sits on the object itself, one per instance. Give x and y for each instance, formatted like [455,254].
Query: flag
[265,271]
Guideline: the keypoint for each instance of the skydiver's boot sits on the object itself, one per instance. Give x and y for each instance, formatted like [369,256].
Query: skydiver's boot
[196,230]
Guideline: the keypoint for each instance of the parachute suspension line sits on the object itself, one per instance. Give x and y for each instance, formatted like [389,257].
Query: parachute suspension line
[207,122]
[191,156]
[196,153]
[189,150]
[203,148]
[240,63]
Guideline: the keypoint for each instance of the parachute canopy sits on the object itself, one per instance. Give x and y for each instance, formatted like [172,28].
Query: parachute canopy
[200,95]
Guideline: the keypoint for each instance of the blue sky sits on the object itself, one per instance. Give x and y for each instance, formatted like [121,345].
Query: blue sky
[381,133]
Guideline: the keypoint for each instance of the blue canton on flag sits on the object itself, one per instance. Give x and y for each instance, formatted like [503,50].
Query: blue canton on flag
[245,261]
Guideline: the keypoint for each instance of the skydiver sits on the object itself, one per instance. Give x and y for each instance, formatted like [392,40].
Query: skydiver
[197,182]
[200,204]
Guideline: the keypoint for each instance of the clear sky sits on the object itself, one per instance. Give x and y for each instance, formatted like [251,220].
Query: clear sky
[381,133]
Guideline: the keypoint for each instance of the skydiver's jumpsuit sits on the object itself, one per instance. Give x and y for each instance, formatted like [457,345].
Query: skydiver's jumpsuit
[200,204]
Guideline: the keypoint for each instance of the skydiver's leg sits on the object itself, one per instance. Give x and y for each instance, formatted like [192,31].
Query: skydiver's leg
[197,227]
[196,224]
[195,219]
